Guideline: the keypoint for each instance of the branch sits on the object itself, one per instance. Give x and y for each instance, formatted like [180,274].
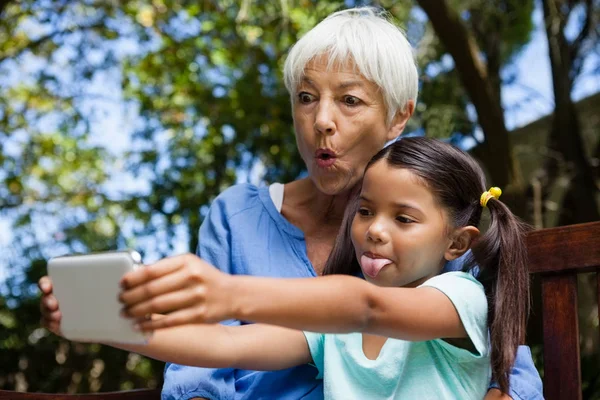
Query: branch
[473,73]
[575,49]
[3,4]
[585,30]
[32,46]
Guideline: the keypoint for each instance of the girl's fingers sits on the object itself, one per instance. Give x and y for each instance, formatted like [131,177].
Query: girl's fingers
[153,271]
[48,304]
[165,284]
[177,318]
[54,327]
[45,285]
[55,316]
[178,300]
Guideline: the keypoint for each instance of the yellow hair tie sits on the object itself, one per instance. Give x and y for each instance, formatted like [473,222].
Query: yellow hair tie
[488,194]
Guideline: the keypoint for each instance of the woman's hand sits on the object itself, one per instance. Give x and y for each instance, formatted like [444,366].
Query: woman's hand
[495,394]
[185,288]
[51,314]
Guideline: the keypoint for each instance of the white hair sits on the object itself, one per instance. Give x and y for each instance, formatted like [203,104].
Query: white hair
[366,37]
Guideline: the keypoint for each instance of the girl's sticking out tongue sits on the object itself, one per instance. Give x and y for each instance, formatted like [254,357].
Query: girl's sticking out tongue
[372,266]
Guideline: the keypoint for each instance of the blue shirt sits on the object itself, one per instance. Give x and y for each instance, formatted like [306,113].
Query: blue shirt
[244,233]
[432,369]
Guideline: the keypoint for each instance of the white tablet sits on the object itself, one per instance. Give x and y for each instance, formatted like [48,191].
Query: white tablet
[87,290]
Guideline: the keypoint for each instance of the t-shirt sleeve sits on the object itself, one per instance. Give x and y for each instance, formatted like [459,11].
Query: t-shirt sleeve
[316,345]
[184,382]
[469,300]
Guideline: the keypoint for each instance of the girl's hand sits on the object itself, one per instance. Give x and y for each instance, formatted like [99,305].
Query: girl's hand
[185,288]
[51,314]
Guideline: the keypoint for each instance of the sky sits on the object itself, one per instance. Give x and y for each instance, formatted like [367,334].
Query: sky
[534,82]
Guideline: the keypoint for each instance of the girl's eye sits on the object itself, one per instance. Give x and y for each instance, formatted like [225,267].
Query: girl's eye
[364,212]
[404,220]
[351,100]
[305,98]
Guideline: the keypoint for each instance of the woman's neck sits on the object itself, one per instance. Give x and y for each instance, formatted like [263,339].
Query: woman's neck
[310,209]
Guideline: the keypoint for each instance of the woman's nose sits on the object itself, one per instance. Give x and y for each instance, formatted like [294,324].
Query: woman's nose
[325,118]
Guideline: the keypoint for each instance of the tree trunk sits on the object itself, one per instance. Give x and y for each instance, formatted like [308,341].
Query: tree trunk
[565,136]
[496,150]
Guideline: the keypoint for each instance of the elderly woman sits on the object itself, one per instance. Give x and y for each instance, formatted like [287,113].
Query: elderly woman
[353,84]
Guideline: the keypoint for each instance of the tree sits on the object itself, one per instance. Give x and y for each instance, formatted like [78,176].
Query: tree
[200,89]
[566,58]
[480,37]
[205,81]
[481,80]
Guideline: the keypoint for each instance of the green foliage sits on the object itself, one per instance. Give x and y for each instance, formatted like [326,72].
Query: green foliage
[198,89]
[204,80]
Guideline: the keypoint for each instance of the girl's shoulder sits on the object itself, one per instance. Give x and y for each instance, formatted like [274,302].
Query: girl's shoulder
[463,289]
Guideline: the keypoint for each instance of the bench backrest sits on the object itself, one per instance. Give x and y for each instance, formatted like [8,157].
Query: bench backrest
[142,394]
[558,255]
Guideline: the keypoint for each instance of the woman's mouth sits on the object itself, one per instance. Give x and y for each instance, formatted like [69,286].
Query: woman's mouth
[325,158]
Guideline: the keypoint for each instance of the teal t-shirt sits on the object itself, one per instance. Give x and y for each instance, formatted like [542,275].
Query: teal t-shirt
[432,369]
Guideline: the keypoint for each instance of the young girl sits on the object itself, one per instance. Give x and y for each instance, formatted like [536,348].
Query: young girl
[419,333]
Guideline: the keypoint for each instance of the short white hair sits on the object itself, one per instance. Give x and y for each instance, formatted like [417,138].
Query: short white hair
[365,36]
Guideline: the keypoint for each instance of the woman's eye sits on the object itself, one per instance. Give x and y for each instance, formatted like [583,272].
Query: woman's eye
[351,100]
[305,98]
[404,220]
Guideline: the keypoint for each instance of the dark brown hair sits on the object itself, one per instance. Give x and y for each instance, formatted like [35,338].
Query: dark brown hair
[457,182]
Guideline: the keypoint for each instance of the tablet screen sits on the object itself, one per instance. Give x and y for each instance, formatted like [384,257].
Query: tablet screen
[87,289]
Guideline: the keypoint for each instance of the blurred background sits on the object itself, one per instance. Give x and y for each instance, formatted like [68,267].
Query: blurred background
[121,121]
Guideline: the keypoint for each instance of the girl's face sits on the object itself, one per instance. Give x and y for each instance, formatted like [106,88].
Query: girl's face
[400,233]
[340,123]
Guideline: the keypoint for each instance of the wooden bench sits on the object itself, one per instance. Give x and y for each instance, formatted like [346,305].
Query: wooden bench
[142,394]
[558,255]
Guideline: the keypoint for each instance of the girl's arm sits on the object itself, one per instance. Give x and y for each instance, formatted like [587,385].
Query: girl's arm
[255,347]
[191,290]
[340,304]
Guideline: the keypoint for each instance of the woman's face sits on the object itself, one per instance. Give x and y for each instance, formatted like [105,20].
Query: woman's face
[340,123]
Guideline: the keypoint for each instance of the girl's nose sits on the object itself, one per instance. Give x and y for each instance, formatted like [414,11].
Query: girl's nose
[325,118]
[377,232]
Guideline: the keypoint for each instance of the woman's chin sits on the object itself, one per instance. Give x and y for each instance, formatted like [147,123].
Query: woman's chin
[332,182]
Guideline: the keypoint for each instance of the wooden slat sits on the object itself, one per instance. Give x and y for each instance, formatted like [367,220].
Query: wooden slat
[142,394]
[562,370]
[572,247]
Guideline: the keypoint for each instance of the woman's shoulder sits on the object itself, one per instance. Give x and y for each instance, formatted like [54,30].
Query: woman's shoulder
[238,197]
[239,190]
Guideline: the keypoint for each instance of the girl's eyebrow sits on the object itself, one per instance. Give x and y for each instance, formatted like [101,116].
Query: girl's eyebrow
[396,204]
[404,205]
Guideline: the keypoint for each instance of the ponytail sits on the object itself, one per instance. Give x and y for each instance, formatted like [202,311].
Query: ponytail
[501,255]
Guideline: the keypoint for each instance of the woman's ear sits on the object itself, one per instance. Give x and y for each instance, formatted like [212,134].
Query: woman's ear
[461,241]
[400,120]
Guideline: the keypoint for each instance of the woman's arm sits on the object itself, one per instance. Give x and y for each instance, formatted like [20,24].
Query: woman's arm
[327,304]
[255,347]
